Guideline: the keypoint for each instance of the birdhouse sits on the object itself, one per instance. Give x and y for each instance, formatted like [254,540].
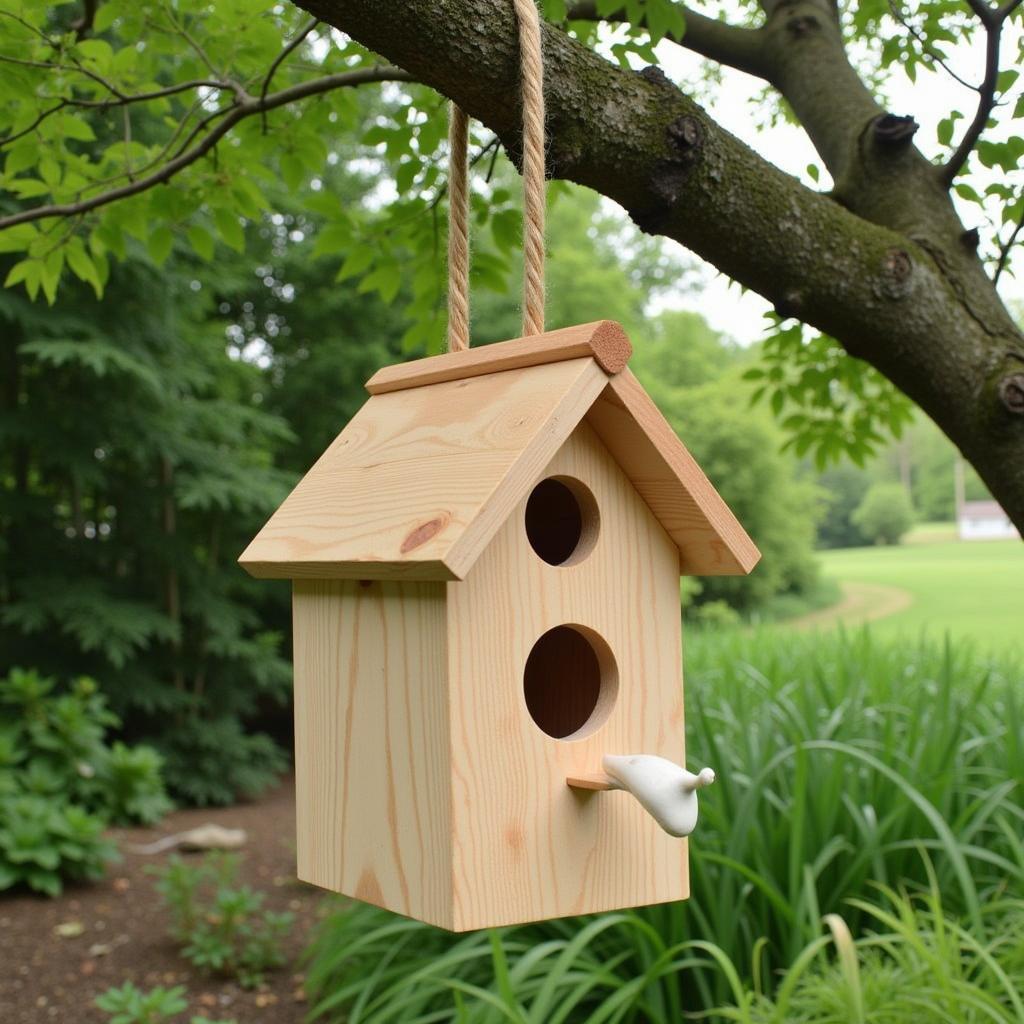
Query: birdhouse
[487,636]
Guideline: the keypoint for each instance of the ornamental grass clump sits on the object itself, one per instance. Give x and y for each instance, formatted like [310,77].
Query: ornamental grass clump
[856,779]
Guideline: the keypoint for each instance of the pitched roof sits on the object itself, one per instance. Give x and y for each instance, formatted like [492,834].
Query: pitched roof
[436,460]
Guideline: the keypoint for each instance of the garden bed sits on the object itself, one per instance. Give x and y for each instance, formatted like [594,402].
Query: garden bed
[59,954]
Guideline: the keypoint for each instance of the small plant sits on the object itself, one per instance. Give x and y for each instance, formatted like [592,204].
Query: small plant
[131,1005]
[61,784]
[222,927]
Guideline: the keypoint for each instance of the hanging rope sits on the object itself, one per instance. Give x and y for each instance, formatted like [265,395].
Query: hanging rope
[458,230]
[531,70]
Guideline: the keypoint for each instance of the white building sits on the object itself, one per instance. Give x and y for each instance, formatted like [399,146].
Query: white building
[984,520]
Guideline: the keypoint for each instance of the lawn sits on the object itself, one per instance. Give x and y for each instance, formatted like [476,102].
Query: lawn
[973,590]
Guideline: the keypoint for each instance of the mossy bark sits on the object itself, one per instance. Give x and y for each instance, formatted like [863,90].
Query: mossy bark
[882,264]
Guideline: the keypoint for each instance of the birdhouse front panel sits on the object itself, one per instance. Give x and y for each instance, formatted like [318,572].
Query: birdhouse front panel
[564,645]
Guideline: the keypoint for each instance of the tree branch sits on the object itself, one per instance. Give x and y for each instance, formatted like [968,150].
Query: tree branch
[232,115]
[986,15]
[282,57]
[117,101]
[1004,249]
[986,98]
[925,316]
[927,49]
[736,47]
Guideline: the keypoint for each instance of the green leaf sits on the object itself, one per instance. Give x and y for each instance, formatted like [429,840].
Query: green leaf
[22,156]
[230,228]
[292,171]
[159,244]
[82,266]
[357,262]
[104,18]
[202,242]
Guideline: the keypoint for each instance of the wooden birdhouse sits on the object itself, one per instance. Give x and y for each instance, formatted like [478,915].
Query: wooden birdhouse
[486,570]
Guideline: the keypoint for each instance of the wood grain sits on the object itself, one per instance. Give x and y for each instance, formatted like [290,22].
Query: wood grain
[604,340]
[526,845]
[372,748]
[419,481]
[592,780]
[710,539]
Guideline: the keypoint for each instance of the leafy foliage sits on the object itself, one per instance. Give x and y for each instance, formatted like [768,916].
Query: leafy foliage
[61,784]
[829,404]
[696,380]
[221,926]
[93,109]
[839,761]
[125,481]
[885,514]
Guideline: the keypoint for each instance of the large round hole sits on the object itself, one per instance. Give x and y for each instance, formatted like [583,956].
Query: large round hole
[561,520]
[570,682]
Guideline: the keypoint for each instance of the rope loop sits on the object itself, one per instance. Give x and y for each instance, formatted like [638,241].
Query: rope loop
[531,68]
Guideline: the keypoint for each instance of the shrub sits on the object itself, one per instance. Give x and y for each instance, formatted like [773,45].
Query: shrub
[885,514]
[221,926]
[838,760]
[61,784]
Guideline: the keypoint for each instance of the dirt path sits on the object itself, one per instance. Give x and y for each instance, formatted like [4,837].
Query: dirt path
[861,602]
[117,930]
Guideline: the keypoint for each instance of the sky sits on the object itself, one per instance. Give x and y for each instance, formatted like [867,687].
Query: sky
[733,105]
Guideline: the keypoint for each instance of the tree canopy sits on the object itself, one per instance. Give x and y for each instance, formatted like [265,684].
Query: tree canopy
[157,123]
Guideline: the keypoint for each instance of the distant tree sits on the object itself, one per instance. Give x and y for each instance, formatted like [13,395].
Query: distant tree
[885,514]
[843,488]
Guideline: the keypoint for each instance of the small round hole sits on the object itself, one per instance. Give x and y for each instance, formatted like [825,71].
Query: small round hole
[570,682]
[561,520]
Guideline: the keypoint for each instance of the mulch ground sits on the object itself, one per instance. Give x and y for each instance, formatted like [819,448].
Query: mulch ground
[57,955]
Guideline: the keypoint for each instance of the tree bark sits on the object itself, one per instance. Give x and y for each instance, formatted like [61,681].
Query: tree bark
[883,264]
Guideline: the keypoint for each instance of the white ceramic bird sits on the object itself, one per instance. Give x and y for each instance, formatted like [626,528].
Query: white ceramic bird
[667,792]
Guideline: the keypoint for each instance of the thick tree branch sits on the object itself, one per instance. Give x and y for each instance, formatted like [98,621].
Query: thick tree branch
[917,306]
[736,47]
[240,110]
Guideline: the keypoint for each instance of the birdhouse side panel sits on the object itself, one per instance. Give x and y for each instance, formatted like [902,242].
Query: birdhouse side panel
[600,630]
[372,743]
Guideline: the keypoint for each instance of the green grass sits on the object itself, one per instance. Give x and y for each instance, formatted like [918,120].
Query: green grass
[931,533]
[843,764]
[972,590]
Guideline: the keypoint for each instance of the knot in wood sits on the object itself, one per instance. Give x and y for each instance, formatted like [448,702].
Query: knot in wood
[801,25]
[897,264]
[790,304]
[685,133]
[895,129]
[685,136]
[894,280]
[1011,393]
[653,74]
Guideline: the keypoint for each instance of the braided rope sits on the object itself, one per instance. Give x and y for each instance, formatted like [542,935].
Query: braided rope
[458,230]
[534,191]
